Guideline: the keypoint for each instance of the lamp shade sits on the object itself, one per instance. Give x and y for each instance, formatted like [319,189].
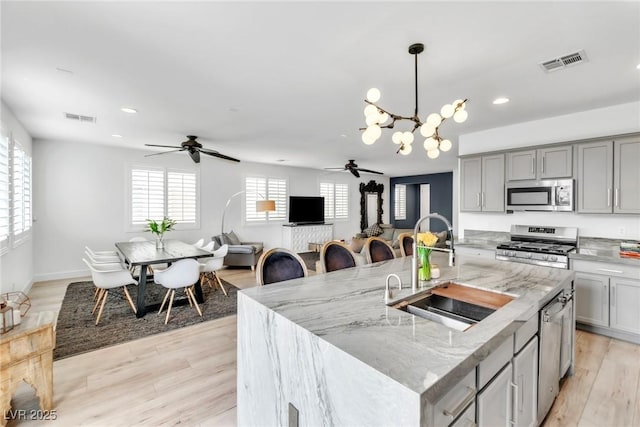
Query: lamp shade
[265,205]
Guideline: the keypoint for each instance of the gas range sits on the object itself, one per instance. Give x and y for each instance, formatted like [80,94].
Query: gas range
[546,246]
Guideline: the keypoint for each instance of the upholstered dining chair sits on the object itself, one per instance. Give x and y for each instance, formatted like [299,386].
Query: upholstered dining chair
[211,265]
[377,249]
[406,244]
[181,274]
[278,265]
[336,256]
[106,277]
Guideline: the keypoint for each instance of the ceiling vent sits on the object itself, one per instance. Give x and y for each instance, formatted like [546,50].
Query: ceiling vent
[564,61]
[80,118]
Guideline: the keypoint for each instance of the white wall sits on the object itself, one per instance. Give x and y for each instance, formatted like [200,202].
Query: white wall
[614,120]
[80,198]
[16,266]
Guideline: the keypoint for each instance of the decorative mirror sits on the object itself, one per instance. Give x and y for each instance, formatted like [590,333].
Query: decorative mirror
[370,196]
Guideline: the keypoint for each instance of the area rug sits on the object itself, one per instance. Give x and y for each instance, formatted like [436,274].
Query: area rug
[76,331]
[310,259]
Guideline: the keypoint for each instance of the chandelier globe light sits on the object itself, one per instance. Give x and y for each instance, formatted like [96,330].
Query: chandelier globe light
[377,118]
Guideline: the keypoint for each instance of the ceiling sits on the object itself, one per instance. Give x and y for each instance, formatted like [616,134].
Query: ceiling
[284,82]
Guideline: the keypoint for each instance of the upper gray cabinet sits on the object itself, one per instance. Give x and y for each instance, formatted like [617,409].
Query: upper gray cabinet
[543,163]
[482,184]
[609,176]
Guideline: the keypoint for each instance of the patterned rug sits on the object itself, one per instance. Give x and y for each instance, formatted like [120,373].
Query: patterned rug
[76,331]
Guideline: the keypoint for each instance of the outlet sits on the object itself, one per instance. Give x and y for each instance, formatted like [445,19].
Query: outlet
[621,231]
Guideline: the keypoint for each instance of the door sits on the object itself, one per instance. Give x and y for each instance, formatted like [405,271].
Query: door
[525,378]
[555,162]
[592,299]
[470,184]
[425,205]
[625,304]
[595,177]
[495,401]
[626,197]
[492,195]
[521,165]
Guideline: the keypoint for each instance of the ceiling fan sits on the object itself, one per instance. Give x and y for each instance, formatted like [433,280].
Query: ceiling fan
[354,169]
[193,147]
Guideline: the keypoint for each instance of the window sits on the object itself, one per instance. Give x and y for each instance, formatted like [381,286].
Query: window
[336,200]
[21,183]
[261,188]
[400,201]
[160,192]
[4,192]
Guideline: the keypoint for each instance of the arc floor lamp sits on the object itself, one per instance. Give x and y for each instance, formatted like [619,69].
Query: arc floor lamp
[261,205]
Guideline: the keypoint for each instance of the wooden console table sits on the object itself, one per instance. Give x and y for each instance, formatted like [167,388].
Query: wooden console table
[26,354]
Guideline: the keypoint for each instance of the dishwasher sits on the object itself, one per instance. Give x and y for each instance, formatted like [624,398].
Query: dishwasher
[556,341]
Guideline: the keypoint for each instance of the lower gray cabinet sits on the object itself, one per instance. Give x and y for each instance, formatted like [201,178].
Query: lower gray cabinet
[525,380]
[625,301]
[496,400]
[592,299]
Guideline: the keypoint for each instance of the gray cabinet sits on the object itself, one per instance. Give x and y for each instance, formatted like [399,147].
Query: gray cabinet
[482,184]
[543,163]
[626,178]
[525,379]
[592,299]
[624,304]
[595,177]
[494,403]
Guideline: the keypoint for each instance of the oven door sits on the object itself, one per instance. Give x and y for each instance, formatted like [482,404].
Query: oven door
[530,196]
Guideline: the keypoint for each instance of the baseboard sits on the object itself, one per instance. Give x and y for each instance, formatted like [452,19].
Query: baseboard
[621,335]
[71,274]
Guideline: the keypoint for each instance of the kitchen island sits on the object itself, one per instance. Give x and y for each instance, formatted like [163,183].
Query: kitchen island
[327,350]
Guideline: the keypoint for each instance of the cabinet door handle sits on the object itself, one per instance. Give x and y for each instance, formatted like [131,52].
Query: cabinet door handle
[606,270]
[615,198]
[533,166]
[605,295]
[542,164]
[484,201]
[613,296]
[478,199]
[471,394]
[608,197]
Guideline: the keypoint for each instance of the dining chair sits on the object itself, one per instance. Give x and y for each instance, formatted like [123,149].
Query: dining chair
[377,249]
[106,277]
[336,256]
[181,274]
[199,243]
[278,265]
[406,244]
[97,254]
[209,268]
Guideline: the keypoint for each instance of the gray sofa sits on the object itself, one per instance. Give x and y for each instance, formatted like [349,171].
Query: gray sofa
[240,254]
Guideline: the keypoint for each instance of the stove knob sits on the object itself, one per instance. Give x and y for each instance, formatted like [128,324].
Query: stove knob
[553,258]
[512,253]
[545,257]
[528,255]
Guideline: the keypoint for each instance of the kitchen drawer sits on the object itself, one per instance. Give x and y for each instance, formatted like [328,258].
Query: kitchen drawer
[468,417]
[607,269]
[490,366]
[524,334]
[452,404]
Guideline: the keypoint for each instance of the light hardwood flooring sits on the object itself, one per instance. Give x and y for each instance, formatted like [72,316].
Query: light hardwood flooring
[188,376]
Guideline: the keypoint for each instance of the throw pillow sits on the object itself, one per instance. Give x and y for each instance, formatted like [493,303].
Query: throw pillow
[442,239]
[387,233]
[356,245]
[233,239]
[373,230]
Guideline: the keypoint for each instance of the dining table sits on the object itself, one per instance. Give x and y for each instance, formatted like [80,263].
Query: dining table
[145,254]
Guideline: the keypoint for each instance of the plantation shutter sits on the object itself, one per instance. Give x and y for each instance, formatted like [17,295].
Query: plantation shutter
[255,189]
[182,196]
[21,187]
[4,192]
[341,201]
[147,195]
[326,191]
[400,201]
[278,193]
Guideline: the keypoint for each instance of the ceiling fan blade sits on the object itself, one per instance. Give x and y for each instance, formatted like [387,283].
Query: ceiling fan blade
[354,172]
[216,154]
[370,171]
[164,146]
[164,152]
[334,169]
[195,155]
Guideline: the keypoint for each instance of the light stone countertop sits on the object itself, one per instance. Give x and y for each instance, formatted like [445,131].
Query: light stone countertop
[346,309]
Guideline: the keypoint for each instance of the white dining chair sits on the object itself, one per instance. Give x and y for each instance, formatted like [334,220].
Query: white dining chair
[106,277]
[97,254]
[181,274]
[209,268]
[199,243]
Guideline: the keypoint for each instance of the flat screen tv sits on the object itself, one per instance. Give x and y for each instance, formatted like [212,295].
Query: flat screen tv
[306,210]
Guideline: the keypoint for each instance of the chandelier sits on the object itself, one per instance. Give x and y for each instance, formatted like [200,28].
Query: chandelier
[377,118]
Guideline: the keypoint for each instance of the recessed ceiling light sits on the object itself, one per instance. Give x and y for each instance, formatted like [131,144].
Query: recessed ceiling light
[501,100]
[343,135]
[115,135]
[129,110]
[64,70]
[281,160]
[638,66]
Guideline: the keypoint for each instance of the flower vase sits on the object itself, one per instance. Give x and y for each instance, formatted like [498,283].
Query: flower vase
[424,273]
[159,242]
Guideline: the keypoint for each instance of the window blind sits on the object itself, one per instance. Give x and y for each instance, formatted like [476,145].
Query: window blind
[147,195]
[182,196]
[400,201]
[21,183]
[4,191]
[278,193]
[326,191]
[255,189]
[342,201]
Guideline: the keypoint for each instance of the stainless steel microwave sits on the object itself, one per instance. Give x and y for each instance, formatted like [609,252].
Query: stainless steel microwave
[551,195]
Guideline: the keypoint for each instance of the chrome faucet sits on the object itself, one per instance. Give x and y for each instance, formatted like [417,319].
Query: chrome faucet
[387,291]
[414,256]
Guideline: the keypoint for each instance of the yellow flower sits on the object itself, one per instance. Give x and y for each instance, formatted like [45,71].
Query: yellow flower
[427,239]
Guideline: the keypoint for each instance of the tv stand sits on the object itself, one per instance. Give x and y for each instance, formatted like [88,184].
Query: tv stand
[297,237]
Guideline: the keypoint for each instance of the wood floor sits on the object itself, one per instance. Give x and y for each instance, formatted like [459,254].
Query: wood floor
[188,376]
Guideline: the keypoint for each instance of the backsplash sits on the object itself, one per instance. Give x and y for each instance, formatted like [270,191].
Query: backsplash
[600,243]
